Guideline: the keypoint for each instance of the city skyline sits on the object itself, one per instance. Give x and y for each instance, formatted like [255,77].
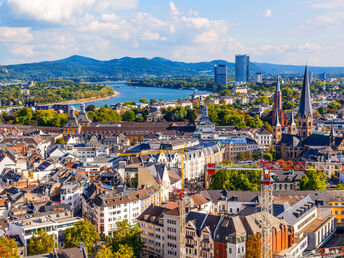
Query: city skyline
[283,33]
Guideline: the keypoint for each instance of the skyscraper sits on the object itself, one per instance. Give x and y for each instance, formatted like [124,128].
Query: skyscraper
[323,76]
[310,77]
[242,63]
[258,78]
[220,74]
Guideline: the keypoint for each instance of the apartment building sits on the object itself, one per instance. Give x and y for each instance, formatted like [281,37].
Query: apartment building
[151,223]
[235,145]
[308,220]
[70,194]
[52,221]
[105,210]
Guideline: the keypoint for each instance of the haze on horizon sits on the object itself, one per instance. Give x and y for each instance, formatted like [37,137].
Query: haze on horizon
[281,32]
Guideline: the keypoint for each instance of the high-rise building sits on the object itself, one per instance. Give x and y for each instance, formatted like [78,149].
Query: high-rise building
[323,76]
[310,75]
[220,74]
[242,63]
[258,78]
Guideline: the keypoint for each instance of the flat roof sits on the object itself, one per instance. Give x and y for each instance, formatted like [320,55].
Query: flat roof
[316,224]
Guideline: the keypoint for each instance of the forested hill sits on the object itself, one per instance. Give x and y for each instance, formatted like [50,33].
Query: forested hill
[127,67]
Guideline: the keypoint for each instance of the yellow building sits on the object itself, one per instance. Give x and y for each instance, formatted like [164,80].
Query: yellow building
[72,126]
[337,209]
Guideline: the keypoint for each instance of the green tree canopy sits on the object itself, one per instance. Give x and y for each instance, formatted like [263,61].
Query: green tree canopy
[104,114]
[144,100]
[105,252]
[339,187]
[236,180]
[83,231]
[8,248]
[128,116]
[124,251]
[125,235]
[41,243]
[313,180]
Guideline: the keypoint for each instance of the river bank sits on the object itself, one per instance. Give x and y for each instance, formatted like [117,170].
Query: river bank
[85,100]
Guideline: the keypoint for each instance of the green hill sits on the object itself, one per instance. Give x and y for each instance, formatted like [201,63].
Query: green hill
[127,67]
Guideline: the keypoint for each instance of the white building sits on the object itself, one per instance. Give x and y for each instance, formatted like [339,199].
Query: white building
[52,222]
[105,211]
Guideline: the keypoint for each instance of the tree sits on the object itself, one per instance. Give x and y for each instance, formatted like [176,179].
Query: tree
[105,252]
[83,231]
[60,141]
[41,243]
[153,101]
[144,100]
[125,235]
[339,187]
[128,116]
[253,246]
[256,154]
[8,248]
[313,180]
[268,156]
[236,180]
[124,251]
[90,107]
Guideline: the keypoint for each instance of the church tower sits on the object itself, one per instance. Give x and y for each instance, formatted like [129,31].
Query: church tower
[72,126]
[277,130]
[278,96]
[291,129]
[277,108]
[83,119]
[332,137]
[305,115]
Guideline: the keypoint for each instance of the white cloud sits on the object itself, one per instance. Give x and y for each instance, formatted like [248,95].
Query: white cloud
[23,50]
[57,11]
[15,34]
[333,13]
[267,13]
[173,9]
[328,4]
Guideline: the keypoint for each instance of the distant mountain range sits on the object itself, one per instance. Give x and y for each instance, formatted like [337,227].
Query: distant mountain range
[127,67]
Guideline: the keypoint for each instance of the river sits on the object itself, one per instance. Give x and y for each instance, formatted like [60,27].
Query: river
[128,93]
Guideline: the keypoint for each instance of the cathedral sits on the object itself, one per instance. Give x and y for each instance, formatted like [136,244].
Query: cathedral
[299,142]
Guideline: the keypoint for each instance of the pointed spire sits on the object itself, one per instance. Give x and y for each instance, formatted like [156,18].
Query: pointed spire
[277,122]
[332,129]
[291,120]
[305,108]
[278,88]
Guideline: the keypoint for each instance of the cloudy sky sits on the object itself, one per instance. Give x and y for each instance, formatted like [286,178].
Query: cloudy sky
[275,31]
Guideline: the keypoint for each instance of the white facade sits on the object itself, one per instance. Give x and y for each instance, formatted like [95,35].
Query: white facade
[70,194]
[171,236]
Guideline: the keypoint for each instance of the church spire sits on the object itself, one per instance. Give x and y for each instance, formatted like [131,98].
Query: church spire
[278,87]
[277,122]
[305,108]
[332,129]
[291,120]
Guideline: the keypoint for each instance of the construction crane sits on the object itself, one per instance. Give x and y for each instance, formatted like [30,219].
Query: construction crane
[267,190]
[179,193]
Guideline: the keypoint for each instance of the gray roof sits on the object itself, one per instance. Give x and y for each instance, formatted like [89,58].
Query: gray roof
[299,209]
[72,122]
[238,196]
[305,108]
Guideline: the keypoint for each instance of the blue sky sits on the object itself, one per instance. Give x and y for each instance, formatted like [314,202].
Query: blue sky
[274,31]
